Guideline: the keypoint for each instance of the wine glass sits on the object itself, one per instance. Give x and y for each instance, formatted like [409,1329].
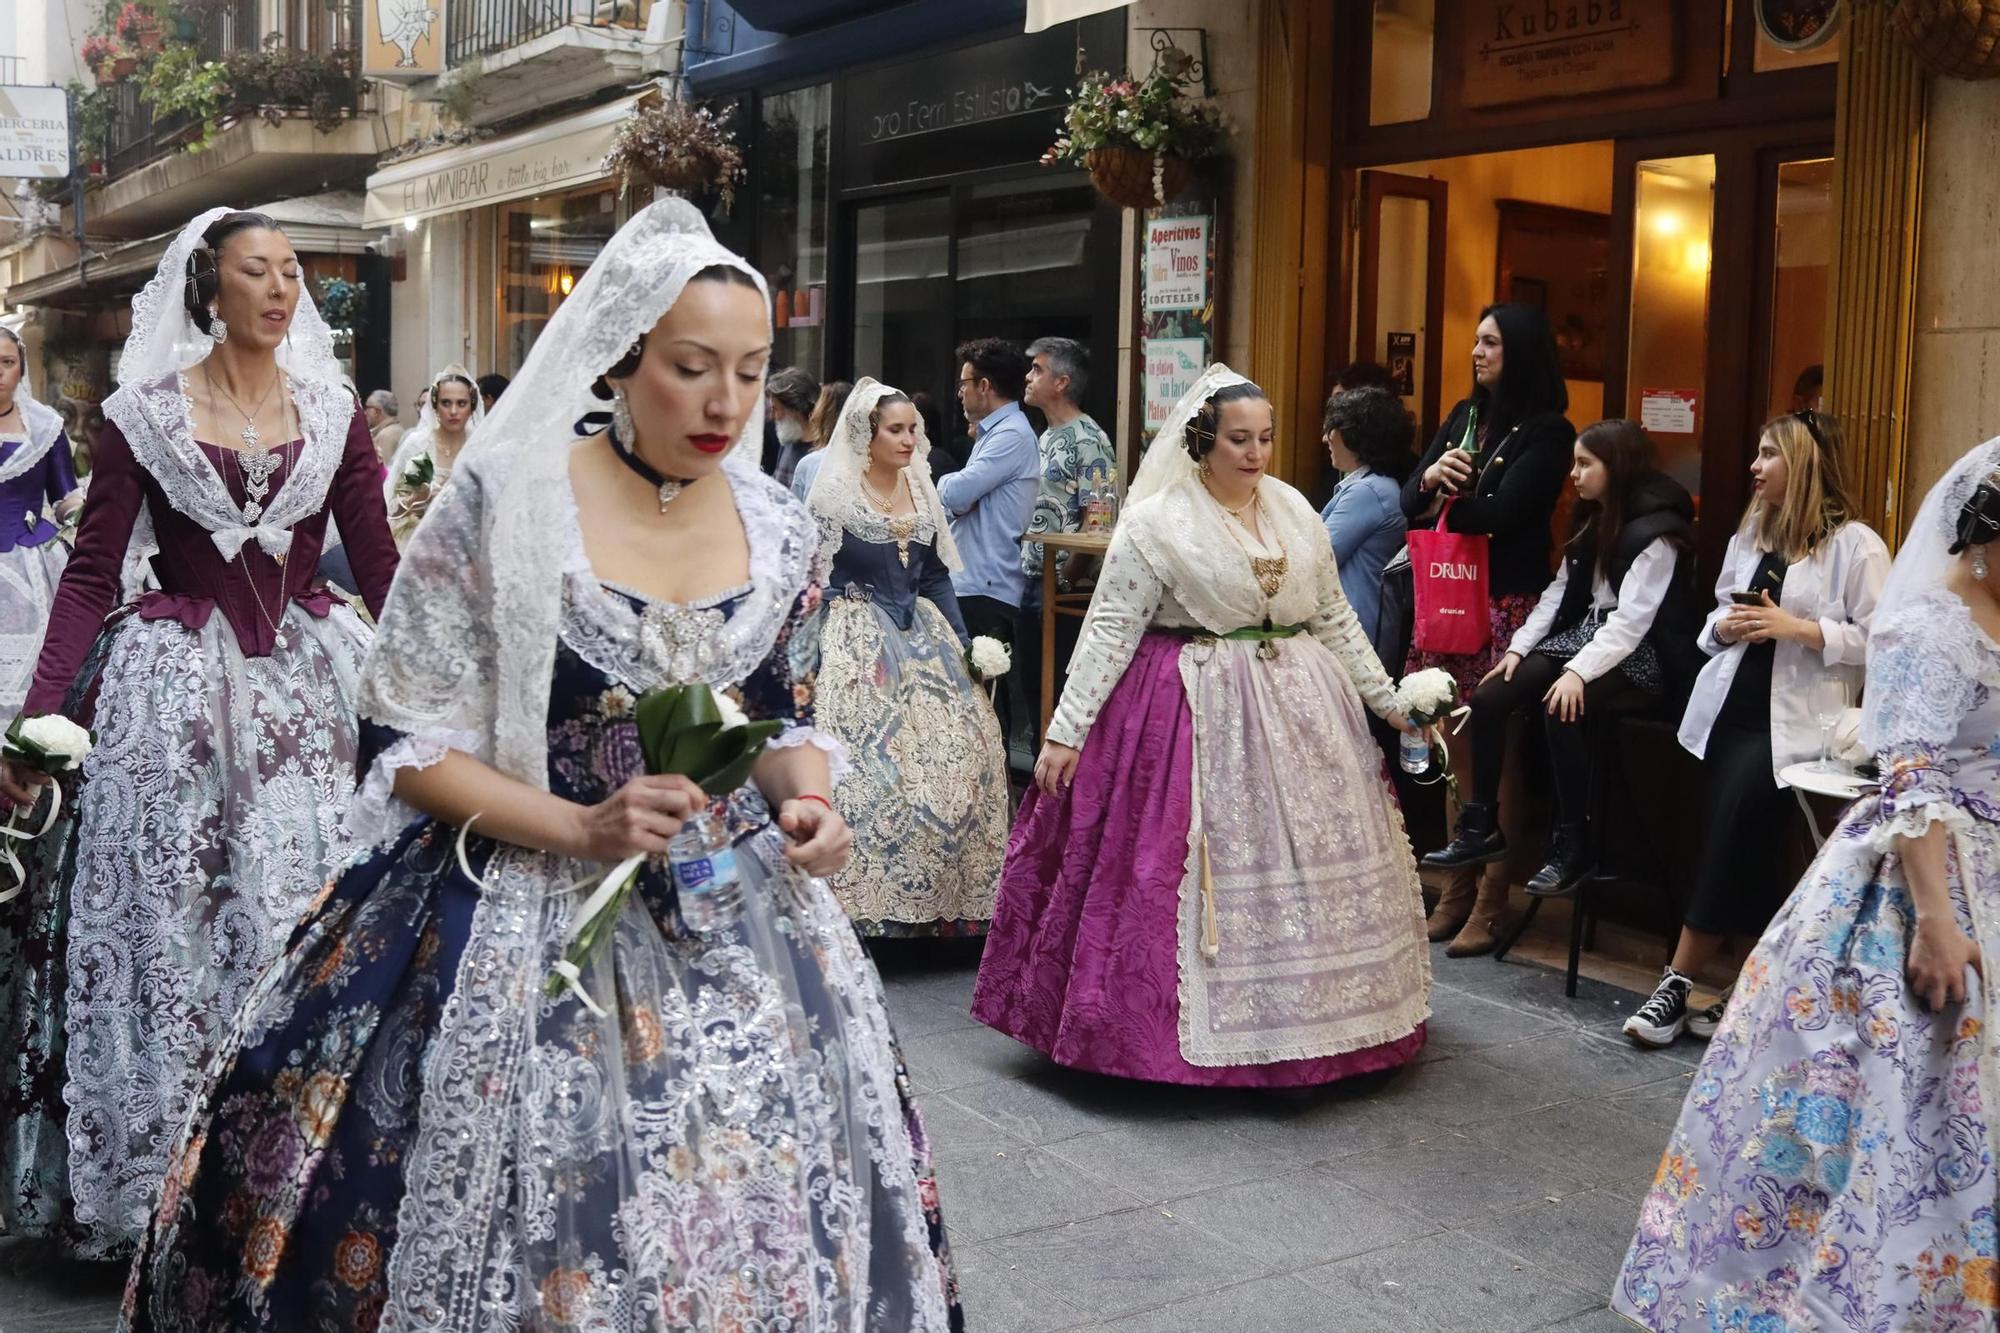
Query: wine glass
[1826,698]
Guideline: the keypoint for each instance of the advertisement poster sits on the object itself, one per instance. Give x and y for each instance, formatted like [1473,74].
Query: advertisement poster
[1667,411]
[1172,366]
[1178,259]
[404,39]
[1178,296]
[1403,363]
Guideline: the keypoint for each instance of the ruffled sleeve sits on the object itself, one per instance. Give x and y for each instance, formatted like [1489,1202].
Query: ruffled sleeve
[1336,626]
[1924,677]
[1128,593]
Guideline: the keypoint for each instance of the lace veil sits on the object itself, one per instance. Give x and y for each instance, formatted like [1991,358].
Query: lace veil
[418,438]
[836,491]
[1167,460]
[43,422]
[152,409]
[465,650]
[1925,559]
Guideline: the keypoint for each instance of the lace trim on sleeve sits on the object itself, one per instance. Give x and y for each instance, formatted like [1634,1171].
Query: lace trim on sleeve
[1911,816]
[376,815]
[838,762]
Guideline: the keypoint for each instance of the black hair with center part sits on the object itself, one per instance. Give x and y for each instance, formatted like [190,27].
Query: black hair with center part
[204,274]
[623,367]
[1201,430]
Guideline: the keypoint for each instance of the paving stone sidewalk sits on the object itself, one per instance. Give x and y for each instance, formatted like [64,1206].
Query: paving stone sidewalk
[1490,1188]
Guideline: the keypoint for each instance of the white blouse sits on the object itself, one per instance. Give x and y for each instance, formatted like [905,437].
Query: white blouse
[1837,585]
[1626,612]
[1134,595]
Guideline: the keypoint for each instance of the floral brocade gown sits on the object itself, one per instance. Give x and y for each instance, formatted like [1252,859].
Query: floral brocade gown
[1833,1165]
[714,1154]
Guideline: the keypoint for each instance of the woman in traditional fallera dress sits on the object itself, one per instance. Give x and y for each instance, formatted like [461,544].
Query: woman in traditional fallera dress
[1833,1165]
[411,1130]
[1211,883]
[37,487]
[927,794]
[450,412]
[209,813]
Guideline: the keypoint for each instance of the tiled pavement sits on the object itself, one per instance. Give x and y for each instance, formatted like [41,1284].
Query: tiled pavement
[1492,1187]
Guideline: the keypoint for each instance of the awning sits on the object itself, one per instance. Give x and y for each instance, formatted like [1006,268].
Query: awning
[556,156]
[1047,13]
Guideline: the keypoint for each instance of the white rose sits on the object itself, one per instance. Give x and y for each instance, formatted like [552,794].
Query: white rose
[1427,694]
[62,740]
[990,658]
[732,716]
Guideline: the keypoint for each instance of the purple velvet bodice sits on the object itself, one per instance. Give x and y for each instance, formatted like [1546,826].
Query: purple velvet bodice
[251,591]
[23,498]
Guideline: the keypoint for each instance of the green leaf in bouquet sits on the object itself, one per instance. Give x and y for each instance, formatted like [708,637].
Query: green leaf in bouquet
[733,769]
[35,754]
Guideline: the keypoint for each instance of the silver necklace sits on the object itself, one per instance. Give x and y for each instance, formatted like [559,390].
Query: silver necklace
[251,439]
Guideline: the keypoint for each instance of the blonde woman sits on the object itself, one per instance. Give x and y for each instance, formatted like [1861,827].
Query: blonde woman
[1815,576]
[819,429]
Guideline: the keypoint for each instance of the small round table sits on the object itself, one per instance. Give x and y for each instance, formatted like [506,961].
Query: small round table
[1808,778]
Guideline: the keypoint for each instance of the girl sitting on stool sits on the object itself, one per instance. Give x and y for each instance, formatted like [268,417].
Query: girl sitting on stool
[1615,630]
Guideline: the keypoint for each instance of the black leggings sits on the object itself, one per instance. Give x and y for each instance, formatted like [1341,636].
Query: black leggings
[1569,751]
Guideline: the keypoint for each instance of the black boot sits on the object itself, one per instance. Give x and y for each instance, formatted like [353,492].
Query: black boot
[1569,862]
[1476,842]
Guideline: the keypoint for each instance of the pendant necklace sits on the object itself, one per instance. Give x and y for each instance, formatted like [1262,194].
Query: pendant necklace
[1268,570]
[902,527]
[256,463]
[668,486]
[251,439]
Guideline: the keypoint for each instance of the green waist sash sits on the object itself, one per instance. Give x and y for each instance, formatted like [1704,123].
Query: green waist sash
[1248,634]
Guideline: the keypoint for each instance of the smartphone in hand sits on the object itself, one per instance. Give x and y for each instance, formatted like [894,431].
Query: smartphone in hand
[1747,598]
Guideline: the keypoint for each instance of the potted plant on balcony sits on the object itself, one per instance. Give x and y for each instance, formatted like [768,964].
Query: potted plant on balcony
[1138,137]
[140,28]
[344,306]
[279,78]
[189,17]
[181,83]
[108,58]
[678,146]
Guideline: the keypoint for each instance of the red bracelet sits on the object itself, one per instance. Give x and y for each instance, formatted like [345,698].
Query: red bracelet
[821,799]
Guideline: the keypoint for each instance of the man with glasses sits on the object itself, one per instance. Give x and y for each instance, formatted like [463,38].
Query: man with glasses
[992,497]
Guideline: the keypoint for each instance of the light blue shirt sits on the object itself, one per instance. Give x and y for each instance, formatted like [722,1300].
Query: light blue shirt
[990,501]
[1364,520]
[803,474]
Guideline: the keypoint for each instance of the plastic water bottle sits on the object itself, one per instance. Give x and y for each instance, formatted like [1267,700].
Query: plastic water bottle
[703,867]
[1414,752]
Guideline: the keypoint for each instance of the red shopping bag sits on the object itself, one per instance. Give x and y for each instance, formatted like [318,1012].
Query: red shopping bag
[1448,572]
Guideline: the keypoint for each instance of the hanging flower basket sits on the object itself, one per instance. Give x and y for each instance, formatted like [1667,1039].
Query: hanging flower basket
[1139,138]
[1956,38]
[675,145]
[1133,178]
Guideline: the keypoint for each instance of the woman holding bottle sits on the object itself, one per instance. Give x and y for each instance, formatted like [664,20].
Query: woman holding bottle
[1496,468]
[1798,589]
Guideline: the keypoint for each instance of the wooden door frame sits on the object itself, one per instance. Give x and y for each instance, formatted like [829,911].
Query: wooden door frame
[1375,187]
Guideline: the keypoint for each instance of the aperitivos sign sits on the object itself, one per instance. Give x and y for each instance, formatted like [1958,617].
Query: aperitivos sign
[1530,50]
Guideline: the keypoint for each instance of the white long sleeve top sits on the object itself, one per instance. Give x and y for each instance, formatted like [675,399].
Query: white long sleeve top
[1625,613]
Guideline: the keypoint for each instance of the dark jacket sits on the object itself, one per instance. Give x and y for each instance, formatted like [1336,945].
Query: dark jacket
[1657,506]
[1511,500]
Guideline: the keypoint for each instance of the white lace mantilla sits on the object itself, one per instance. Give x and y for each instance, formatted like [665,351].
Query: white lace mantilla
[157,419]
[44,428]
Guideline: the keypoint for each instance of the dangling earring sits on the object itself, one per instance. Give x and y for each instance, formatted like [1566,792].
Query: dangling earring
[1207,468]
[621,418]
[216,328]
[1979,563]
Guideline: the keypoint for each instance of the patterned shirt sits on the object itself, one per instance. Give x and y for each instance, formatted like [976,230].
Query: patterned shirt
[1075,458]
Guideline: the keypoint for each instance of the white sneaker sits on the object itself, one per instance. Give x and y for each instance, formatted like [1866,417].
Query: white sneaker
[1704,1024]
[1663,1017]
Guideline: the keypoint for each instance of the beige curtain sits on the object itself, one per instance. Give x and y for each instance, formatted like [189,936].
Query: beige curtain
[1047,13]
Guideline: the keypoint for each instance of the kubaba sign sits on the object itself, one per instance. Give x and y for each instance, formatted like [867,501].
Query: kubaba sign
[1527,50]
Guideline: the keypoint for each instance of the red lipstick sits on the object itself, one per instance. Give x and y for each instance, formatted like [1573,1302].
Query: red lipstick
[709,444]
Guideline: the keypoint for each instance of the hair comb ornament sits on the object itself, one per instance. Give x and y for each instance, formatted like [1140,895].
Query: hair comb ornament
[1979,517]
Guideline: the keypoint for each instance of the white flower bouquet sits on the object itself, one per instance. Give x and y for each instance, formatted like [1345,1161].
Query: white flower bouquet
[50,745]
[1427,698]
[988,658]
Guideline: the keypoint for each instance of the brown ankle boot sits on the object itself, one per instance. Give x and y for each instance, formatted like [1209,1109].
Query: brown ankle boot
[1489,914]
[1454,905]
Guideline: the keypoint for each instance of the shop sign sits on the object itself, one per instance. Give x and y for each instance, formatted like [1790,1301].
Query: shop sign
[1527,50]
[979,106]
[1668,411]
[1177,262]
[1172,367]
[34,133]
[528,164]
[403,39]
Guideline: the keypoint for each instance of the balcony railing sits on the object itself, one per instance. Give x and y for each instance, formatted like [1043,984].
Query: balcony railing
[481,27]
[264,80]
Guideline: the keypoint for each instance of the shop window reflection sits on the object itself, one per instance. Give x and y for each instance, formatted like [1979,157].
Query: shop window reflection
[902,293]
[790,164]
[1667,362]
[1021,261]
[546,243]
[1802,256]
